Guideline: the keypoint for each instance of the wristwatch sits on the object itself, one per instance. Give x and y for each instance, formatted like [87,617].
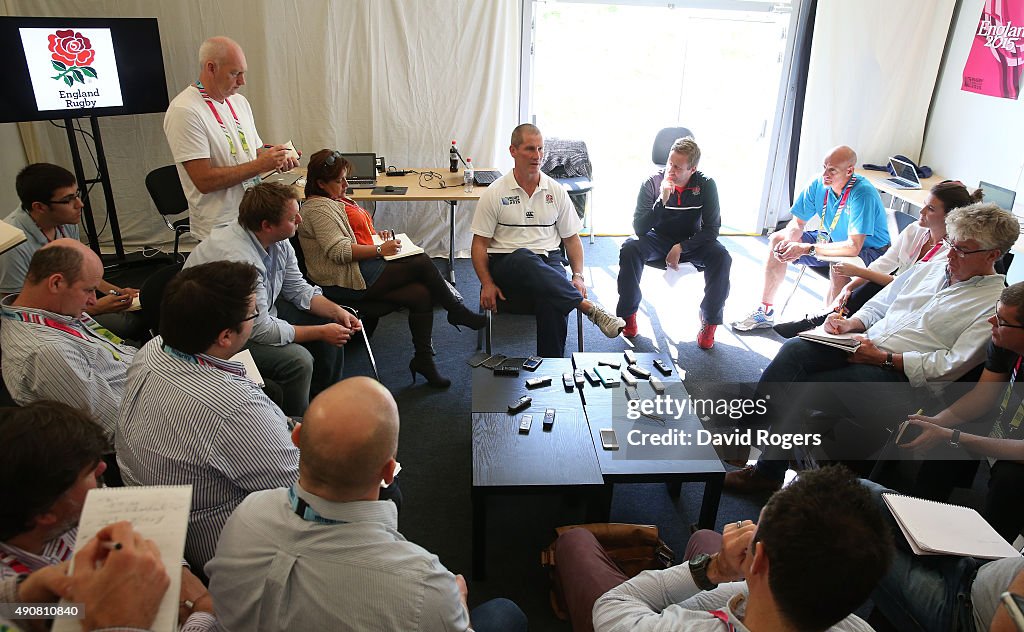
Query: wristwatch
[380,253]
[955,439]
[812,250]
[888,364]
[699,571]
[577,274]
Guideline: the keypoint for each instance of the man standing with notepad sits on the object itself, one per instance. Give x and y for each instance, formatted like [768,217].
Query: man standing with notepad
[925,329]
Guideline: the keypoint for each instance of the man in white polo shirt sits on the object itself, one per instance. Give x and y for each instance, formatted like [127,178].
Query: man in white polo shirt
[214,141]
[520,222]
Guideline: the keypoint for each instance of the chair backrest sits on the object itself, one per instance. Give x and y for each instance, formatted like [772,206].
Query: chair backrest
[164,187]
[903,220]
[663,143]
[152,292]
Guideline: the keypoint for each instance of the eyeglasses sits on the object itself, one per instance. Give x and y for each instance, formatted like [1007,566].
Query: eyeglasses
[960,252]
[67,199]
[1002,323]
[253,317]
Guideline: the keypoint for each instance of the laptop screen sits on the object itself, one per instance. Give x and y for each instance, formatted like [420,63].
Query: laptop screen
[364,166]
[904,170]
[998,195]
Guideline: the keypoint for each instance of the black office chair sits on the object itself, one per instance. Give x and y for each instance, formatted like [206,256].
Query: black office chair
[152,292]
[164,188]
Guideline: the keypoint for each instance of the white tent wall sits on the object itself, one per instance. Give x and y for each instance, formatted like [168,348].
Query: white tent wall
[874,65]
[398,78]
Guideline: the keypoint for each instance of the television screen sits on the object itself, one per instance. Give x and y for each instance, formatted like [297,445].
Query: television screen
[61,68]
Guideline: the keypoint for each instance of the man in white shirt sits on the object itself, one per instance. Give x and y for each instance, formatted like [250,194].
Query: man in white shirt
[213,138]
[519,224]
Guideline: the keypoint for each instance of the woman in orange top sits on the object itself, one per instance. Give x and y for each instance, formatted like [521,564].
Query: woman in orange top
[337,241]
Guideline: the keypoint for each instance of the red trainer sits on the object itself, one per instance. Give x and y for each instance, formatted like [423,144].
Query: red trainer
[631,328]
[706,335]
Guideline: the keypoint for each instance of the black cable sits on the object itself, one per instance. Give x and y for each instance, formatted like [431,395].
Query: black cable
[429,176]
[96,165]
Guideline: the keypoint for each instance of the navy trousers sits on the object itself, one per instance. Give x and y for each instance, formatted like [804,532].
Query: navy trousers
[541,278]
[713,257]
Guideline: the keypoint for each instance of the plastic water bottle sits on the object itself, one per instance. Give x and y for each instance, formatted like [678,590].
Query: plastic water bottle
[453,159]
[467,176]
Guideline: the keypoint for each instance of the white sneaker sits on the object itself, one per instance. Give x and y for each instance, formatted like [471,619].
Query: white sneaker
[758,319]
[609,325]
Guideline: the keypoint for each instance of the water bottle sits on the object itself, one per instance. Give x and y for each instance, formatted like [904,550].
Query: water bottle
[467,176]
[453,159]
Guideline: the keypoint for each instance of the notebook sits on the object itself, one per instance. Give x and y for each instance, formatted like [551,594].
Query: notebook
[158,513]
[408,247]
[363,174]
[934,528]
[846,342]
[906,175]
[252,372]
[10,236]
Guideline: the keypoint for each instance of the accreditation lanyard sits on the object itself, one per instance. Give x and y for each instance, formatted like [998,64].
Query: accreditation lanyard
[1018,415]
[220,121]
[100,336]
[842,204]
[307,513]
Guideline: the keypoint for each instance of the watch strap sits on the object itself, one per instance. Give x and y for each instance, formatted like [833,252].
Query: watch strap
[699,571]
[955,439]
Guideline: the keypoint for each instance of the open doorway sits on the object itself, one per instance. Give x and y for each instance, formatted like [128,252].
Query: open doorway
[614,74]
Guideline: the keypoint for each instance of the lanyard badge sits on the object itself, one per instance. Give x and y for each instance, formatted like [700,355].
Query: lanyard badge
[825,234]
[223,127]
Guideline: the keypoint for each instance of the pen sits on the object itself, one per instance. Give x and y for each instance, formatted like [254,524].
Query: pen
[112,546]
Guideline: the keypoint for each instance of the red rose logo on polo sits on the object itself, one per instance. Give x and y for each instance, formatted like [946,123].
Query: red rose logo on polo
[71,55]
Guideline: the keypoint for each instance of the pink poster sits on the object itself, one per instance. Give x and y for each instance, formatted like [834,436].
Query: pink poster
[997,54]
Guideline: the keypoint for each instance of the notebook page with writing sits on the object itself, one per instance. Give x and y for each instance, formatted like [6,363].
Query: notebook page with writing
[158,513]
[934,528]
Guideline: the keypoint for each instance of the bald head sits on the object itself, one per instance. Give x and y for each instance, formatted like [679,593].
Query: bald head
[67,257]
[348,435]
[62,278]
[838,167]
[218,49]
[843,155]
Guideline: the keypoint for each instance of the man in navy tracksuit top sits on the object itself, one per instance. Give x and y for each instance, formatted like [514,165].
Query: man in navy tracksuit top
[677,220]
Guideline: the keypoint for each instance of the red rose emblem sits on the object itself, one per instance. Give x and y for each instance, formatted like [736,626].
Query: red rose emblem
[71,48]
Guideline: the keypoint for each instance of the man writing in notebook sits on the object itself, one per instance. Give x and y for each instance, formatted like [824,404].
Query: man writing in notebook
[519,224]
[332,529]
[923,331]
[52,349]
[213,139]
[853,224]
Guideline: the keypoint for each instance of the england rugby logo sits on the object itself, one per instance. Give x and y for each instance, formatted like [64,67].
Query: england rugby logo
[71,55]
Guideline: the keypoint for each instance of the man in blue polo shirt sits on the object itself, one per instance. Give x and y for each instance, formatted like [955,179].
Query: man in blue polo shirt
[852,224]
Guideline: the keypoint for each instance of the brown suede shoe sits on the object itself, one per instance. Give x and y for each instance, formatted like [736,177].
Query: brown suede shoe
[749,481]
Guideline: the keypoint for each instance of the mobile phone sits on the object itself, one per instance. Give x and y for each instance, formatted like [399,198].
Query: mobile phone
[525,423]
[663,367]
[631,393]
[519,404]
[907,432]
[657,385]
[549,418]
[592,375]
[613,365]
[493,361]
[628,378]
[1014,605]
[608,440]
[639,372]
[630,356]
[577,377]
[535,382]
[477,358]
[568,381]
[509,367]
[532,363]
[609,376]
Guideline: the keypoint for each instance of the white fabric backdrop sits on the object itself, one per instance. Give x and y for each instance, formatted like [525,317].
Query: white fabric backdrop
[401,79]
[871,91]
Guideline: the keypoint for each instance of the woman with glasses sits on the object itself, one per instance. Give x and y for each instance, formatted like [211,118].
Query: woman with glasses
[337,241]
[921,241]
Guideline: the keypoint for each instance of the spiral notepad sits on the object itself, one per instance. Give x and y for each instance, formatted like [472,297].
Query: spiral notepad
[934,528]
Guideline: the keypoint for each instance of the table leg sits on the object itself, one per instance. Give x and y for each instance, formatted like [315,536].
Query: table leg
[451,242]
[479,501]
[709,504]
[599,503]
[674,486]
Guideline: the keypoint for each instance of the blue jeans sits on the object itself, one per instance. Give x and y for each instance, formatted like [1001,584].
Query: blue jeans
[809,376]
[498,615]
[542,277]
[929,593]
[713,258]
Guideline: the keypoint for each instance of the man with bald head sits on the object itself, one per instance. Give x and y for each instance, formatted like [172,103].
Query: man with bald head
[852,224]
[213,138]
[284,552]
[52,349]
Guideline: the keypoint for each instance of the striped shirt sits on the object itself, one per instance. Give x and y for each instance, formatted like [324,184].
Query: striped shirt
[69,360]
[196,420]
[15,561]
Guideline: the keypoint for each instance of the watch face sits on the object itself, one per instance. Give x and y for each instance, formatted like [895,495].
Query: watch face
[700,559]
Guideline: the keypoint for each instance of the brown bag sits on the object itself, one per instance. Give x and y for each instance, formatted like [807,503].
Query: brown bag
[633,547]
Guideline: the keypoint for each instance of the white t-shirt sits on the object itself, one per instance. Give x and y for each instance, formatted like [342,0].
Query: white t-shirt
[512,220]
[193,133]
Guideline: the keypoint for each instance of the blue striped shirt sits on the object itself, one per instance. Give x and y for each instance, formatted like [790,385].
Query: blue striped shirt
[70,362]
[195,420]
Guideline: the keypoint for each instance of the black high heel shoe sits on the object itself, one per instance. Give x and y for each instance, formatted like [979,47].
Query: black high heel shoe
[460,315]
[424,365]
